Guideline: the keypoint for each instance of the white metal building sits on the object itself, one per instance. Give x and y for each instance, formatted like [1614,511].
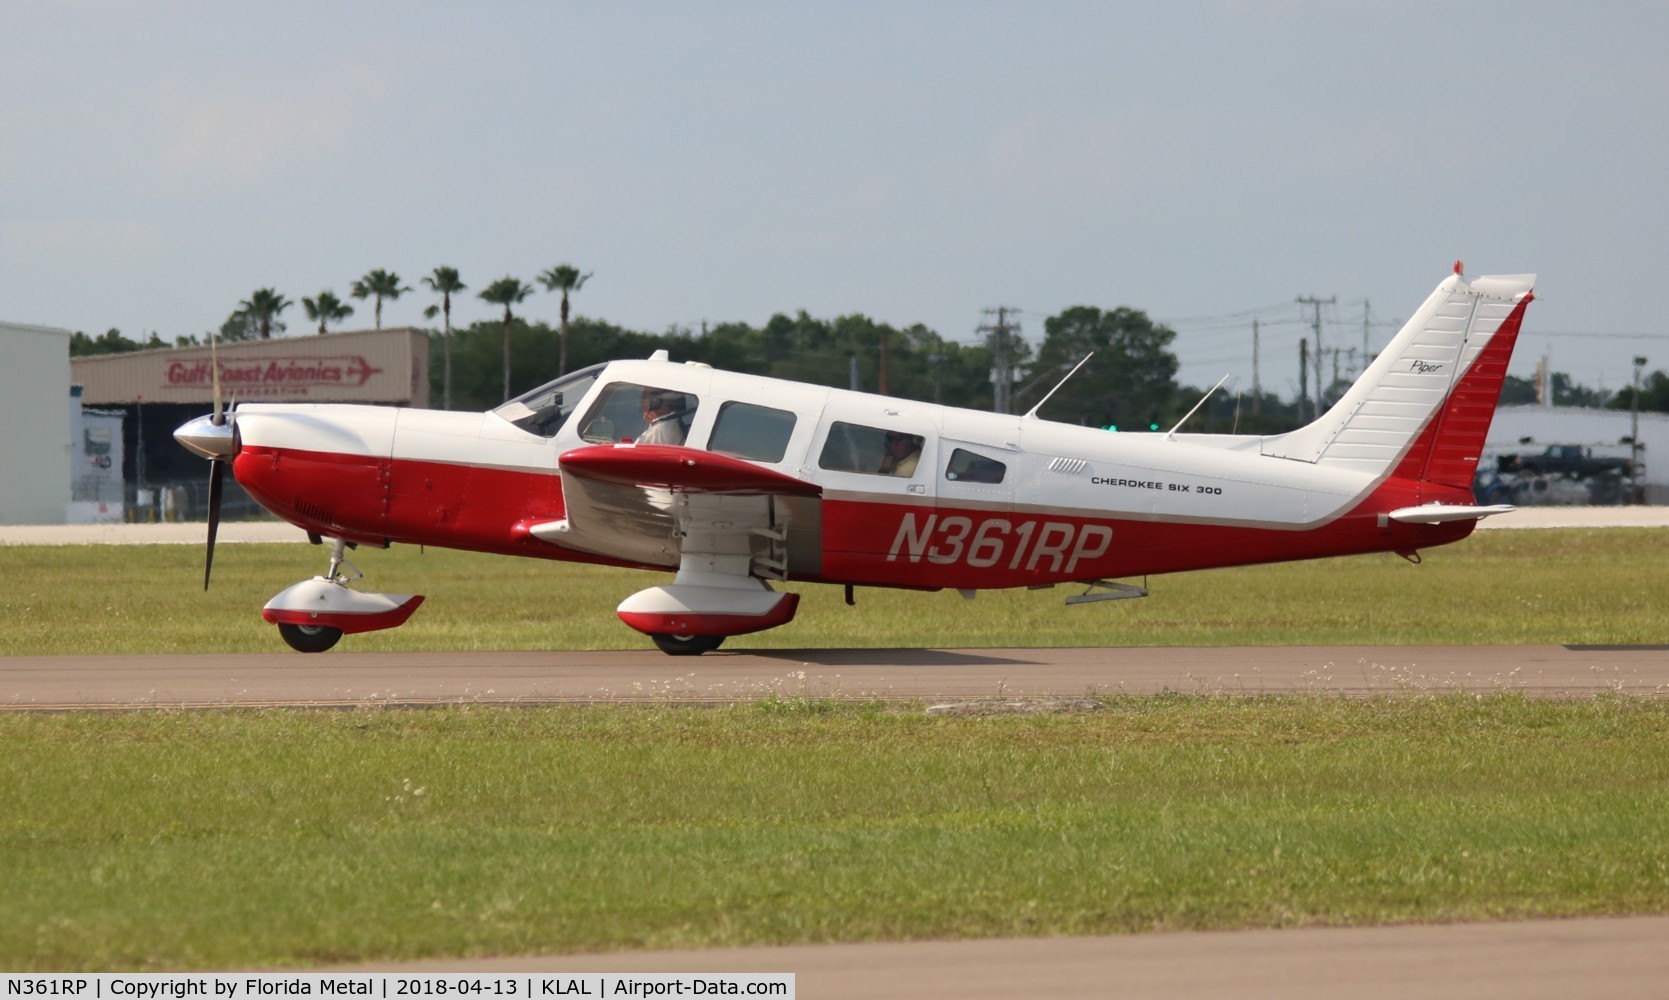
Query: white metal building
[35,445]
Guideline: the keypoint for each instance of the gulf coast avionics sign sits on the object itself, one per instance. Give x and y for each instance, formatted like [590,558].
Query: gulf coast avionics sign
[291,377]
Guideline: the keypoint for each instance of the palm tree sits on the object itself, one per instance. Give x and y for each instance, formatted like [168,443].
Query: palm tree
[507,291]
[379,283]
[568,278]
[327,308]
[262,305]
[445,281]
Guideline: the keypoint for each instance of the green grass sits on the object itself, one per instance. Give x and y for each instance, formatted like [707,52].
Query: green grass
[279,838]
[1554,586]
[171,840]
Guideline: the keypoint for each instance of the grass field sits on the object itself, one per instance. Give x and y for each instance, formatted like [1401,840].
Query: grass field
[279,838]
[1554,586]
[173,840]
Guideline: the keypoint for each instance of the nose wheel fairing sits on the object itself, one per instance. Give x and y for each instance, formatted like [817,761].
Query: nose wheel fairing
[326,603]
[315,613]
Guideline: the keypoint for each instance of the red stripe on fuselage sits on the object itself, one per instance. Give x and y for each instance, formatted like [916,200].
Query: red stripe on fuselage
[888,544]
[377,500]
[872,543]
[488,509]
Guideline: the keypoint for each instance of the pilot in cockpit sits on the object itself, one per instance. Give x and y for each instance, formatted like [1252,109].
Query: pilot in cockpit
[903,452]
[661,413]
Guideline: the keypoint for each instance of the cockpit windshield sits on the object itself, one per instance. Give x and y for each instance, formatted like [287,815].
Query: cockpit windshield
[544,410]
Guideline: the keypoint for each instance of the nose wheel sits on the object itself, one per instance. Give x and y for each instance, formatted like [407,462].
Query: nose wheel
[686,645]
[309,638]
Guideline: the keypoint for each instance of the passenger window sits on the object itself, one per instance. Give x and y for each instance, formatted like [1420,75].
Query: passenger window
[646,414]
[967,467]
[873,450]
[747,430]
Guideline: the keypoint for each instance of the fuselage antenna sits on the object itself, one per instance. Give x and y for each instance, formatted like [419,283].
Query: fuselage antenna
[1197,405]
[1031,414]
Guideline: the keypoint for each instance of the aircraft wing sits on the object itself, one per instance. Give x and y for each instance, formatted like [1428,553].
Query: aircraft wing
[655,504]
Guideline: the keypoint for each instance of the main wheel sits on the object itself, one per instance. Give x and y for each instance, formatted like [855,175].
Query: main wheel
[686,645]
[309,638]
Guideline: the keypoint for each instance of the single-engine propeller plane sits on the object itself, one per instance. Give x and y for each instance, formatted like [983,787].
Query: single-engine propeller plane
[739,482]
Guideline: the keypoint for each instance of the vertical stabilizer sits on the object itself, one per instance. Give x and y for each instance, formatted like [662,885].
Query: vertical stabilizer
[1423,408]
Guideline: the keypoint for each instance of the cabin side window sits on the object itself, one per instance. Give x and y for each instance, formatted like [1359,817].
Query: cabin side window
[873,450]
[646,414]
[967,467]
[751,431]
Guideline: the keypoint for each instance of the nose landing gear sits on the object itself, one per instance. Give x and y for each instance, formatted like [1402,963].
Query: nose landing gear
[312,615]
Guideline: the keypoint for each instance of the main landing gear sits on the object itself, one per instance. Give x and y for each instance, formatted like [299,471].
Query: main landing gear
[314,614]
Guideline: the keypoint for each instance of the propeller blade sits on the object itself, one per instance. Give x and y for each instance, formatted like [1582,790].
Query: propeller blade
[217,474]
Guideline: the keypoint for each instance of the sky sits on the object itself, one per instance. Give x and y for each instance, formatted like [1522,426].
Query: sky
[1207,162]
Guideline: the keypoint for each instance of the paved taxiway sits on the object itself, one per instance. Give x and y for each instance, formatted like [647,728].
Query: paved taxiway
[1619,959]
[346,679]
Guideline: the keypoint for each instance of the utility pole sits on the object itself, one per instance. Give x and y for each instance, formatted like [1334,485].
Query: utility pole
[1367,352]
[881,379]
[1311,300]
[999,336]
[1636,473]
[1303,376]
[1257,387]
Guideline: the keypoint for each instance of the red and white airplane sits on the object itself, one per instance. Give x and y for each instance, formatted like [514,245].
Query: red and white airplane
[737,482]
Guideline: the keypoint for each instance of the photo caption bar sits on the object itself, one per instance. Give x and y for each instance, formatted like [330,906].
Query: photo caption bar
[393,986]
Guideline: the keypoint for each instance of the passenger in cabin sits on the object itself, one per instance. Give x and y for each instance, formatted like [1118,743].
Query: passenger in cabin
[903,452]
[661,413]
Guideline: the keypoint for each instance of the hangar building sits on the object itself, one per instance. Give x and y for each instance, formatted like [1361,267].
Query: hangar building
[156,391]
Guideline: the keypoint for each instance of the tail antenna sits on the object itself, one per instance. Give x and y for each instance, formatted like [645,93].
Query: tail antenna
[1208,392]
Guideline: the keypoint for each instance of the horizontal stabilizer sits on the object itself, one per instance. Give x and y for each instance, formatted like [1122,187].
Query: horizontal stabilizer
[681,470]
[1438,513]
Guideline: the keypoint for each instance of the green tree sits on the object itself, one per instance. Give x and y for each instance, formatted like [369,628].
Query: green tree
[445,281]
[1129,383]
[1517,391]
[112,342]
[381,285]
[567,278]
[262,308]
[506,292]
[326,308]
[1654,395]
[1568,392]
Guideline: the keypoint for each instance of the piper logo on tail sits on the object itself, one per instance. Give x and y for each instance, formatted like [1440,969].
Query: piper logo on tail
[1424,367]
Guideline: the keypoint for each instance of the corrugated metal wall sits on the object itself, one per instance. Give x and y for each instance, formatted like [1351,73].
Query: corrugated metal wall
[34,408]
